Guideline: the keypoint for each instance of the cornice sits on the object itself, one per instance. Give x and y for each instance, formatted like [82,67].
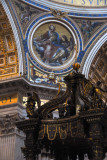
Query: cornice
[23,86]
[12,105]
[24,79]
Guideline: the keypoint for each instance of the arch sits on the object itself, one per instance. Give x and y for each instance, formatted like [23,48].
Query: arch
[77,11]
[17,40]
[92,54]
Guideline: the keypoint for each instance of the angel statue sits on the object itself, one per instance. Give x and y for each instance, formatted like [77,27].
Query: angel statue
[31,102]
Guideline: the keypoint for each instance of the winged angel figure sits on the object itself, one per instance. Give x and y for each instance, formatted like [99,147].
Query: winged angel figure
[26,12]
[31,102]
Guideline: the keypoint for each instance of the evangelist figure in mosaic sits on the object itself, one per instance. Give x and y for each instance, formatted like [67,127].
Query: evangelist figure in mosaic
[52,48]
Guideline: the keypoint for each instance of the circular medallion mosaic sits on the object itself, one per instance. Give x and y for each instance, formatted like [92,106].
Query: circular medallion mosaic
[53,45]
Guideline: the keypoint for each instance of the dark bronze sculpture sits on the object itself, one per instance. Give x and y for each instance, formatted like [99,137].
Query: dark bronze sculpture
[30,107]
[73,133]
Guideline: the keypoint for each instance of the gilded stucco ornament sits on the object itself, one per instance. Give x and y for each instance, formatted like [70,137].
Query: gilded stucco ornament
[58,14]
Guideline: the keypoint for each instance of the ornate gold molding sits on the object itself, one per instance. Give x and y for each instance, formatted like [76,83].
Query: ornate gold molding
[9,64]
[58,14]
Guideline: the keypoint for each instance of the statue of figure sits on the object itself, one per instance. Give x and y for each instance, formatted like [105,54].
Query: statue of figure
[30,107]
[96,93]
